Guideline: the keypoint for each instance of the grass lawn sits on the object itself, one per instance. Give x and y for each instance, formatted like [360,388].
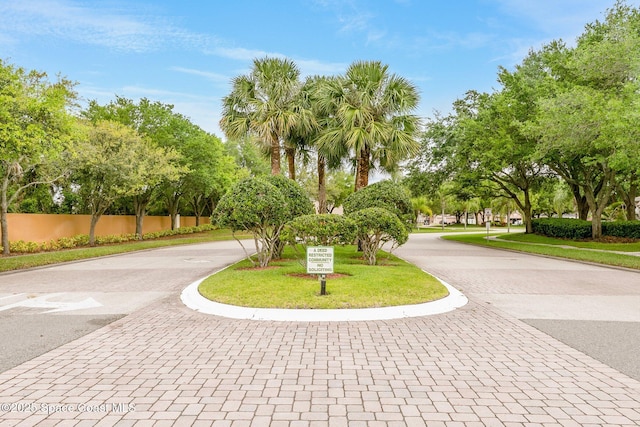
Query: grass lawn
[532,244]
[392,282]
[17,262]
[459,228]
[534,238]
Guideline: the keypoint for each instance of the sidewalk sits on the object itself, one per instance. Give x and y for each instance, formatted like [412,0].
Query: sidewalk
[474,366]
[496,238]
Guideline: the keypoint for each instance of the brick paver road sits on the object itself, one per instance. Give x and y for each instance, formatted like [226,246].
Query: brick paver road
[475,366]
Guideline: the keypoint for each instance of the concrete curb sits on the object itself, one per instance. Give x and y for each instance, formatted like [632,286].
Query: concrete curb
[191,298]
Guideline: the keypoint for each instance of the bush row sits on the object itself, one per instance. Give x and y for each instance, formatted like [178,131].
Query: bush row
[20,246]
[629,229]
[564,228]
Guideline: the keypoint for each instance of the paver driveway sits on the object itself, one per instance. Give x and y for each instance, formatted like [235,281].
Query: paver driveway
[476,366]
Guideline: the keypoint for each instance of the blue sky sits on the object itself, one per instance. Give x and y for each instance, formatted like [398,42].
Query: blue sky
[186,52]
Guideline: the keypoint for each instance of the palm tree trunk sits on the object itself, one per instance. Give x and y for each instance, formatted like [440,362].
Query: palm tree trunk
[322,185]
[290,152]
[362,172]
[275,155]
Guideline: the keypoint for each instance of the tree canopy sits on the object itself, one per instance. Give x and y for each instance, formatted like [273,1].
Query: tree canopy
[37,129]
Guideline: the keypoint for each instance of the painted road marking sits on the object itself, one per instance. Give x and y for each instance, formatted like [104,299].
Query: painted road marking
[55,306]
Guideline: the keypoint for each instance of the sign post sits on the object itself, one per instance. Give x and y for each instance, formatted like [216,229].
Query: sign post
[487,214]
[320,261]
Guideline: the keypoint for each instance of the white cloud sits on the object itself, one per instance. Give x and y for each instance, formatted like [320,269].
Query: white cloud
[242,54]
[354,21]
[66,20]
[214,77]
[140,91]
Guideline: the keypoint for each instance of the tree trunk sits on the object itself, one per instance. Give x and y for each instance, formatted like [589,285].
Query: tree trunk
[598,198]
[4,208]
[528,225]
[362,172]
[197,203]
[290,152]
[173,214]
[322,185]
[596,225]
[629,197]
[92,229]
[139,221]
[173,205]
[275,155]
[631,205]
[140,208]
[140,203]
[582,206]
[5,232]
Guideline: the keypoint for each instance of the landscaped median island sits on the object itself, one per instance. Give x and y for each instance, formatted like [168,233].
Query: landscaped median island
[607,253]
[354,284]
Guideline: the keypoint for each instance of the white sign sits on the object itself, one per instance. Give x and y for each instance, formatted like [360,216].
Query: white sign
[319,259]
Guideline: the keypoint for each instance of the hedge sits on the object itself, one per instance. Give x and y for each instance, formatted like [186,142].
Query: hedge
[576,229]
[629,229]
[20,246]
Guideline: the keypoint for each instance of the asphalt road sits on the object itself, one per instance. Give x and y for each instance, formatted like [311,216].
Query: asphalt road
[25,334]
[614,343]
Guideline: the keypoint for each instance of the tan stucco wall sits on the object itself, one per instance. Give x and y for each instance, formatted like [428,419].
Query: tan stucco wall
[43,227]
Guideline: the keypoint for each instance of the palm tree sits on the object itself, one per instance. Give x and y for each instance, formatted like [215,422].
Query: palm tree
[319,108]
[371,117]
[262,104]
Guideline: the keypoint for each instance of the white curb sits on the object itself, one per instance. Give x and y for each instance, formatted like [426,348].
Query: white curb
[191,298]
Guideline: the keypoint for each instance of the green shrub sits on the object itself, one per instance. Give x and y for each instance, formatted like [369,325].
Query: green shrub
[628,229]
[81,240]
[319,230]
[562,228]
[256,206]
[66,242]
[297,201]
[20,246]
[576,229]
[386,195]
[375,227]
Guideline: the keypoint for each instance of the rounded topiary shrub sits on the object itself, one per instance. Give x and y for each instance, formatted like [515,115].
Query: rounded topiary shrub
[297,203]
[296,200]
[375,227]
[319,230]
[386,195]
[257,206]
